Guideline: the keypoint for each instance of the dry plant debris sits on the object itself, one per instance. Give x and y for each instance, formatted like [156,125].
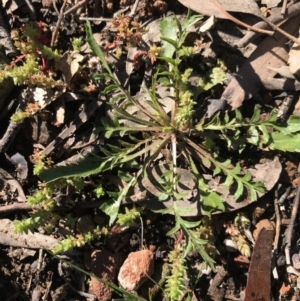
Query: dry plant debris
[151,144]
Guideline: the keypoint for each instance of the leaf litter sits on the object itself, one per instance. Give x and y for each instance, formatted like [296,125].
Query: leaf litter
[76,121]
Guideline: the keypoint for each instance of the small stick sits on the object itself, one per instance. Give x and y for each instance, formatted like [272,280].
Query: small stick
[55,7]
[142,234]
[60,18]
[237,21]
[134,8]
[14,207]
[284,196]
[95,19]
[9,135]
[74,7]
[31,10]
[6,40]
[284,33]
[283,9]
[290,228]
[275,18]
[277,228]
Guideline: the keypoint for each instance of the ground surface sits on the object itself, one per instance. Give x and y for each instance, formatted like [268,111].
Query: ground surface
[61,124]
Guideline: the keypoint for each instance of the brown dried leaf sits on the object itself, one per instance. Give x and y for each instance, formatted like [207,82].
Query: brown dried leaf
[147,190]
[259,279]
[248,81]
[294,60]
[212,7]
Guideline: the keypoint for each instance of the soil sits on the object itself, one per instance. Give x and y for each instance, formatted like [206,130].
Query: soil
[63,126]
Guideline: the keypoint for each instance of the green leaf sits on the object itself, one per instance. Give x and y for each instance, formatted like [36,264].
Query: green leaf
[211,202]
[229,181]
[185,223]
[190,21]
[293,125]
[237,169]
[168,60]
[283,142]
[95,48]
[110,88]
[87,167]
[174,230]
[256,115]
[111,208]
[253,194]
[163,197]
[168,33]
[217,171]
[239,191]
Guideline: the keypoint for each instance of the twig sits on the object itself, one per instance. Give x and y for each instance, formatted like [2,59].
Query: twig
[285,107]
[75,7]
[133,10]
[60,18]
[40,261]
[284,33]
[284,196]
[95,19]
[283,9]
[237,21]
[6,40]
[80,293]
[142,234]
[277,214]
[290,228]
[272,25]
[14,207]
[55,7]
[9,135]
[31,10]
[174,157]
[274,18]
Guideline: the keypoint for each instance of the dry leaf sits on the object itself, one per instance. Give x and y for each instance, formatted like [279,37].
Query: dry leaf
[284,71]
[44,97]
[270,53]
[147,190]
[212,7]
[69,65]
[208,24]
[10,188]
[270,3]
[294,60]
[60,111]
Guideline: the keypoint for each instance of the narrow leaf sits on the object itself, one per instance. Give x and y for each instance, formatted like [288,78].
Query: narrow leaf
[168,30]
[95,48]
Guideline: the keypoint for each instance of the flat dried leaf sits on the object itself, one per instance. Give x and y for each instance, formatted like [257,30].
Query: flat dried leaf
[147,191]
[270,3]
[259,278]
[44,97]
[60,111]
[212,7]
[10,188]
[294,60]
[284,71]
[248,81]
[208,24]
